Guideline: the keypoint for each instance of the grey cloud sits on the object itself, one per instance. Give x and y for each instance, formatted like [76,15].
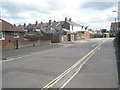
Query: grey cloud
[98,5]
[11,7]
[14,8]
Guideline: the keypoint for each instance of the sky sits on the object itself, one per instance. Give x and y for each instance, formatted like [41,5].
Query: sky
[96,14]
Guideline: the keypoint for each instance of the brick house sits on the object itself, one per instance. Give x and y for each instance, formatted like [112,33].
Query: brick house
[10,35]
[60,31]
[114,28]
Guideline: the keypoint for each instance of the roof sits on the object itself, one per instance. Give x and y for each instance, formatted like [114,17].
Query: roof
[6,26]
[115,24]
[65,30]
[73,23]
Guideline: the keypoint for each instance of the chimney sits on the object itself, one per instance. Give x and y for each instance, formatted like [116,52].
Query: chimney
[70,19]
[29,24]
[14,24]
[86,27]
[41,22]
[50,21]
[65,18]
[24,25]
[36,23]
[82,26]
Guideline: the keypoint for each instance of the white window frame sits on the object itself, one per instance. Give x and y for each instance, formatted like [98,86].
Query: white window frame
[16,34]
[3,35]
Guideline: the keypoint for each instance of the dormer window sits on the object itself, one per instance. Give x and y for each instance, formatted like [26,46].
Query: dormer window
[16,35]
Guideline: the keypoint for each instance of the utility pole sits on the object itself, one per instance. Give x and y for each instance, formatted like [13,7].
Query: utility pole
[118,15]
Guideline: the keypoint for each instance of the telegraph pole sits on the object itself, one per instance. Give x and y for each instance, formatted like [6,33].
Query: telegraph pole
[118,15]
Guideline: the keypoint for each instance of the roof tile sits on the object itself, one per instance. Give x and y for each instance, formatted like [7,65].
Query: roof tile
[6,26]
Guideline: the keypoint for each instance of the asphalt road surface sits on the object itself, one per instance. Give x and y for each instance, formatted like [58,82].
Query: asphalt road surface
[38,69]
[100,71]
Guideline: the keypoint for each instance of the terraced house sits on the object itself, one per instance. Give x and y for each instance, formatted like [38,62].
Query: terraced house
[61,31]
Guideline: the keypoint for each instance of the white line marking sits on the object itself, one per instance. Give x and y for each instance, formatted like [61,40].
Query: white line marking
[58,78]
[94,44]
[74,73]
[79,68]
[28,54]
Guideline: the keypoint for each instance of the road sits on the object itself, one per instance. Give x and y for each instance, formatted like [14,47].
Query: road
[38,69]
[100,70]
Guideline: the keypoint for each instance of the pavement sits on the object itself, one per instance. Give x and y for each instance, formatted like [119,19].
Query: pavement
[117,52]
[7,54]
[26,50]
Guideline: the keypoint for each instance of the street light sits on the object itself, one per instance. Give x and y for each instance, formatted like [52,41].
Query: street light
[118,14]
[118,19]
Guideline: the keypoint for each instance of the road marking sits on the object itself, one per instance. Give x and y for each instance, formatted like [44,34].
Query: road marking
[98,43]
[54,81]
[74,73]
[26,55]
[94,44]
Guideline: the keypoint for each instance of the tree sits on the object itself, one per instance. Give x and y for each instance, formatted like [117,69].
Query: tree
[104,30]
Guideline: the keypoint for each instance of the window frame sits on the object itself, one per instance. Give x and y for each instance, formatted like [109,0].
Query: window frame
[16,34]
[3,35]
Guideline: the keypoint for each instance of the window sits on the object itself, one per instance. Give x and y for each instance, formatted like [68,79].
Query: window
[16,34]
[2,35]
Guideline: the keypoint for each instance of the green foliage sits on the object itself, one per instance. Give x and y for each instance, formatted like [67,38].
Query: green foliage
[47,34]
[104,30]
[78,33]
[34,33]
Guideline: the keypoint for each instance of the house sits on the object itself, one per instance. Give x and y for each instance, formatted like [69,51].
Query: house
[71,27]
[10,35]
[114,28]
[60,31]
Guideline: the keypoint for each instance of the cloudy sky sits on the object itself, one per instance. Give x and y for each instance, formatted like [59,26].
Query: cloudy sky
[94,14]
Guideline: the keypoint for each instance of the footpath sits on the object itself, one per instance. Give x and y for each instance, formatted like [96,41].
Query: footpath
[25,50]
[117,45]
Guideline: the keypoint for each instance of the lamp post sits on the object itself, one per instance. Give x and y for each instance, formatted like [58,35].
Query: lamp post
[117,19]
[118,15]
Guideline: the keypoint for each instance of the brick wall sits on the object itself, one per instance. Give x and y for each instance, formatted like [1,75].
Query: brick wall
[86,35]
[56,39]
[10,41]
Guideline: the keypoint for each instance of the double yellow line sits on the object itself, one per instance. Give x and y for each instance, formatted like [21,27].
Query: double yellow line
[54,81]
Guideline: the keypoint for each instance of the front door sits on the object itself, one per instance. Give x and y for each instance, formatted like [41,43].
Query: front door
[69,37]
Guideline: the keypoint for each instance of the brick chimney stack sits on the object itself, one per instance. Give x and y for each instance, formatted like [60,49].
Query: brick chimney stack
[65,19]
[70,19]
[50,21]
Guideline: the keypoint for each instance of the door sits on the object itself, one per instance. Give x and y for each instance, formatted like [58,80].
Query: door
[69,37]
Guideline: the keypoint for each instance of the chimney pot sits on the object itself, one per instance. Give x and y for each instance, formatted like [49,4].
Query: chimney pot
[65,18]
[50,21]
[70,19]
